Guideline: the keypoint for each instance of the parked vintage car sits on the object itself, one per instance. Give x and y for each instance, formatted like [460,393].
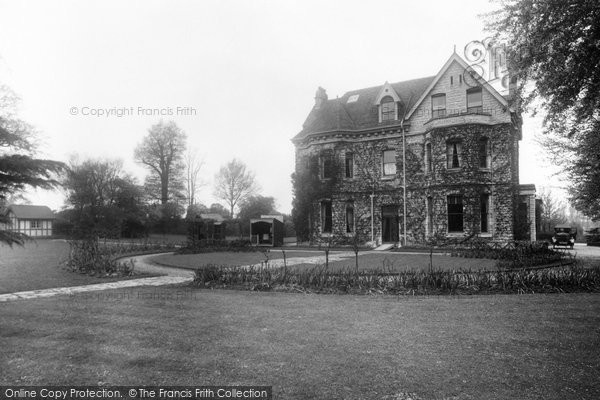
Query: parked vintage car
[564,235]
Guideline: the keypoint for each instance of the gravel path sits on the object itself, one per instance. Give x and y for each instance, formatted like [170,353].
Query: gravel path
[172,276]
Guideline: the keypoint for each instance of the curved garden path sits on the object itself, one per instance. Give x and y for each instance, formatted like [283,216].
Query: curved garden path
[170,276]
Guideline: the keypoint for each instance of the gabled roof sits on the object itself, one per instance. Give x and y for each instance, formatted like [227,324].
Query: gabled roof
[30,212]
[340,114]
[456,58]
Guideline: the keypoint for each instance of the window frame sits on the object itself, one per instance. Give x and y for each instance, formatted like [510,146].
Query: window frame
[453,154]
[327,166]
[438,111]
[349,165]
[35,224]
[483,153]
[456,213]
[387,113]
[478,107]
[326,220]
[350,222]
[484,214]
[384,163]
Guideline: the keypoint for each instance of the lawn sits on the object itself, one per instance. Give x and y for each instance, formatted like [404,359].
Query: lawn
[338,260]
[37,265]
[228,258]
[310,346]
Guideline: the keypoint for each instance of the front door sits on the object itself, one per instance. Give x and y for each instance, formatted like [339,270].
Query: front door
[389,224]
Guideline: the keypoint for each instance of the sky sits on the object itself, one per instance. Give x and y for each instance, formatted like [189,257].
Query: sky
[239,77]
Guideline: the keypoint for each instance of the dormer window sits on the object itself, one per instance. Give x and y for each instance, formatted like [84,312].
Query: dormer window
[388,109]
[438,105]
[474,100]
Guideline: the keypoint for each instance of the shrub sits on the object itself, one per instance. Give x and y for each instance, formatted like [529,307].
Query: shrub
[592,237]
[517,254]
[320,279]
[213,245]
[93,256]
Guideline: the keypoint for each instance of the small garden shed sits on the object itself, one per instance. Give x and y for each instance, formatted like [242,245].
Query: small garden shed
[211,226]
[34,221]
[268,230]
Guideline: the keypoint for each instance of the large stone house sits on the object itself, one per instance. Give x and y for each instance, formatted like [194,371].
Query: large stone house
[452,140]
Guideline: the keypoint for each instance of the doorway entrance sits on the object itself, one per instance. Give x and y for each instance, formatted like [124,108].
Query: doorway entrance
[389,224]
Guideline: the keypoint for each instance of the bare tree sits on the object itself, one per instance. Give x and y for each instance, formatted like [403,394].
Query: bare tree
[193,166]
[234,183]
[553,210]
[161,152]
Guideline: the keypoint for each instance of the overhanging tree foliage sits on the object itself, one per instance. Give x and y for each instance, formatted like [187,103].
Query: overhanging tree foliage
[18,167]
[556,46]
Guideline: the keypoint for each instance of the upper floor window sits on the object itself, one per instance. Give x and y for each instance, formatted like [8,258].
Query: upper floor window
[349,164]
[36,224]
[438,105]
[453,154]
[389,162]
[483,153]
[474,100]
[388,109]
[327,166]
[428,159]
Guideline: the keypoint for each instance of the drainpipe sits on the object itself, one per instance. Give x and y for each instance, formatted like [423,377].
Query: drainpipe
[372,226]
[403,179]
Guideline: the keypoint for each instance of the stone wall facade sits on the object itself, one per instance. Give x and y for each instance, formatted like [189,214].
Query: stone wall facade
[461,166]
[425,183]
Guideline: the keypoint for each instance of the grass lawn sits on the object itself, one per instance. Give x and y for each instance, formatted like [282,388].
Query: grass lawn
[228,258]
[37,265]
[310,346]
[387,260]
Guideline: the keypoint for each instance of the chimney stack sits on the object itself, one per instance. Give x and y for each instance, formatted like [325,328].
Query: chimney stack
[320,97]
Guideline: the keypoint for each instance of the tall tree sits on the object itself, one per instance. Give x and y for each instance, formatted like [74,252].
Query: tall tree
[193,166]
[554,45]
[553,210]
[162,152]
[103,197]
[18,166]
[254,207]
[234,183]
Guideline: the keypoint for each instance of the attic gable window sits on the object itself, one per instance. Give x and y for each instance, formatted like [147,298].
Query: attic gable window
[388,109]
[438,105]
[474,100]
